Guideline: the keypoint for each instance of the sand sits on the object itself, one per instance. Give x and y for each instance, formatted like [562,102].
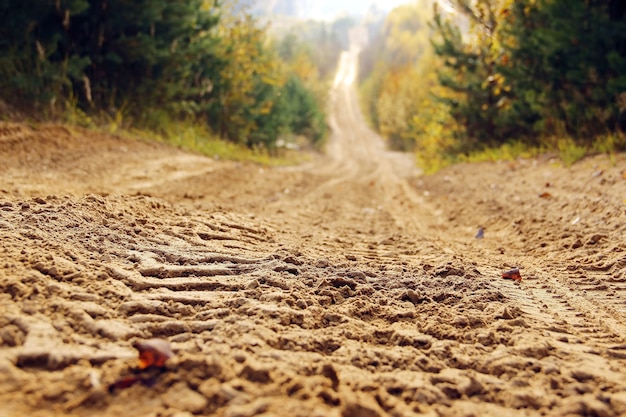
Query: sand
[349,286]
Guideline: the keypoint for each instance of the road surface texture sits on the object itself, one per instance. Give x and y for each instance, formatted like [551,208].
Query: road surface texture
[350,286]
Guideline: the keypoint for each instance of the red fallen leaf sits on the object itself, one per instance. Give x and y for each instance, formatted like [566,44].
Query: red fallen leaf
[512,274]
[124,382]
[153,353]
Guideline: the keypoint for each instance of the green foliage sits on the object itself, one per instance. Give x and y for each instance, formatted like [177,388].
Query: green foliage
[108,53]
[32,63]
[402,39]
[321,41]
[470,70]
[304,94]
[196,137]
[568,61]
[263,96]
[132,63]
[303,114]
[508,75]
[542,68]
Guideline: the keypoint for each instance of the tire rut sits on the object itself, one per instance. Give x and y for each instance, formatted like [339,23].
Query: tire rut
[345,287]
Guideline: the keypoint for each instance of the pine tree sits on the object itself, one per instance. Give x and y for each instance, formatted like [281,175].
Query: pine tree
[147,59]
[146,51]
[470,70]
[567,65]
[111,53]
[35,63]
[534,69]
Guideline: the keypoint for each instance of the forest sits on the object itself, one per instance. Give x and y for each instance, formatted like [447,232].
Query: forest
[156,63]
[465,79]
[450,80]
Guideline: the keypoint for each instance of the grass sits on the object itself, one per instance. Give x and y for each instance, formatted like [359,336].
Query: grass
[194,137]
[436,161]
[610,145]
[433,163]
[568,150]
[508,151]
[188,135]
[160,127]
[571,152]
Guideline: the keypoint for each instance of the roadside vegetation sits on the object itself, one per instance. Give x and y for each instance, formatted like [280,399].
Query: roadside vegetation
[200,74]
[492,79]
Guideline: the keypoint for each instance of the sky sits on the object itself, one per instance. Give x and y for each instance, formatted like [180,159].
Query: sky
[328,9]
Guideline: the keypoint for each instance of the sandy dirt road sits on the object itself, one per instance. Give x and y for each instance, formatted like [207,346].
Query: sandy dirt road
[350,286]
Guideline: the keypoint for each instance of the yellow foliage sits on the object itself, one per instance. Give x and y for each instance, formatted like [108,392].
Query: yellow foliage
[304,68]
[248,62]
[301,63]
[407,32]
[433,130]
[401,94]
[410,107]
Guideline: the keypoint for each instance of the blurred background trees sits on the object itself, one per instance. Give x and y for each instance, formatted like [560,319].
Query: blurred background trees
[499,74]
[444,78]
[148,63]
[566,66]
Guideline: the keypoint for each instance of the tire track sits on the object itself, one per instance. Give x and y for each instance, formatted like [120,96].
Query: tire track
[337,288]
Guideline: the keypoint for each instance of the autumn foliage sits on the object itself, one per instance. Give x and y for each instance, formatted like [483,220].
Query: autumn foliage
[151,63]
[500,74]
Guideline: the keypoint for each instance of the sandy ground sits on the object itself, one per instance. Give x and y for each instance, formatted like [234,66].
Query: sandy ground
[350,286]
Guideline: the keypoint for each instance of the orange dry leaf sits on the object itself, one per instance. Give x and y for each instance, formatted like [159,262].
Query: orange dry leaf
[153,353]
[545,195]
[512,274]
[124,382]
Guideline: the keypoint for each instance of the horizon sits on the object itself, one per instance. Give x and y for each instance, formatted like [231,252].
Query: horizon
[320,9]
[329,9]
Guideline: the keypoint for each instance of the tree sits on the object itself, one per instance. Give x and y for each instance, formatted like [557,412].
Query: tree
[156,61]
[471,70]
[109,53]
[534,69]
[567,65]
[147,51]
[391,86]
[35,64]
[249,82]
